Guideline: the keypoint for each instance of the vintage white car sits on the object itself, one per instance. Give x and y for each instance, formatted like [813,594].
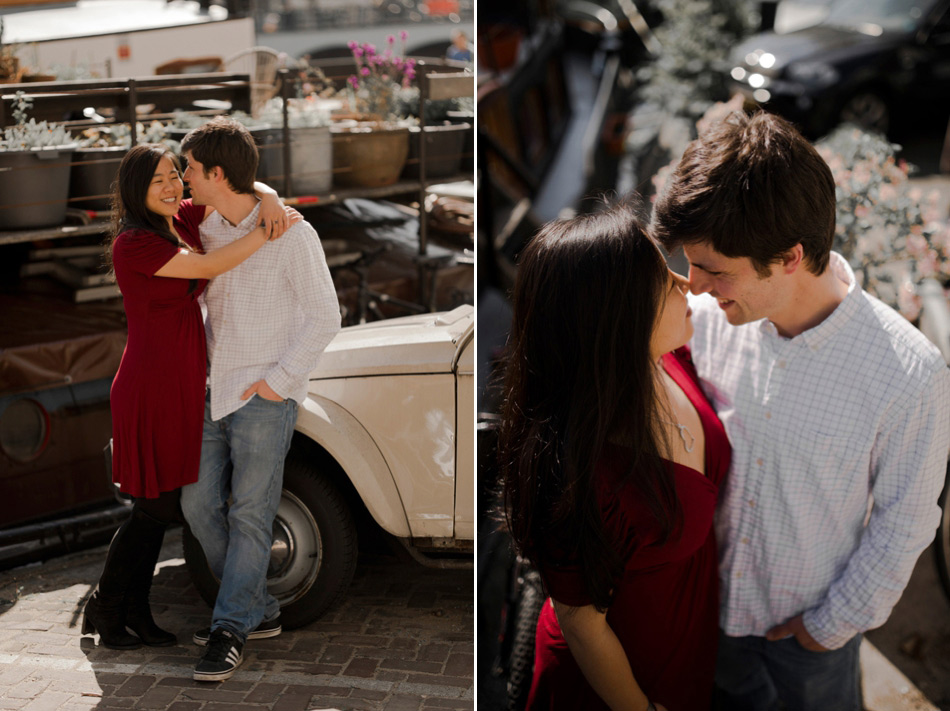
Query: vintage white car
[387,429]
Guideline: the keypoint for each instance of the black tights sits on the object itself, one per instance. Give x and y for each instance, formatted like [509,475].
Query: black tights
[136,545]
[165,509]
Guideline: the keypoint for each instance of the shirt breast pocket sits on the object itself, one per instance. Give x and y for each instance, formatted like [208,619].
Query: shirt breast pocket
[837,465]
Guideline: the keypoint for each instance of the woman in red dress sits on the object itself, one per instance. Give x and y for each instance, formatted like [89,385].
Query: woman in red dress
[611,459]
[158,393]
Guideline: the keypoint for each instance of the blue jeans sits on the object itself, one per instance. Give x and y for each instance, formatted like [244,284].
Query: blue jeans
[753,674]
[242,459]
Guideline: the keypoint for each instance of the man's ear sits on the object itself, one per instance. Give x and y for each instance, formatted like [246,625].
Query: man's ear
[793,258]
[216,173]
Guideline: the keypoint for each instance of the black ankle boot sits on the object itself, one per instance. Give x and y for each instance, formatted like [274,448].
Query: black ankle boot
[106,615]
[138,613]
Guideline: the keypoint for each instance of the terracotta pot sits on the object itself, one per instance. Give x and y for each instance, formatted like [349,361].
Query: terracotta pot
[368,154]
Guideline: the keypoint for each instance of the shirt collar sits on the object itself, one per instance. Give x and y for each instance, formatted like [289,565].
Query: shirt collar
[245,225]
[815,338]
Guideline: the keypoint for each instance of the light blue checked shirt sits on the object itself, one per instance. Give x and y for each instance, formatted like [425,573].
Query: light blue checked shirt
[270,317]
[840,439]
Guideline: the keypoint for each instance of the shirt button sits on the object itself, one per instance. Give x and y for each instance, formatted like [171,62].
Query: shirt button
[760,461]
[745,541]
[781,364]
[739,575]
[768,415]
[752,503]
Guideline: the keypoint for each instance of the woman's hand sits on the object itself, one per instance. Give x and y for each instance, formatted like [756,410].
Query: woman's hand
[273,217]
[293,217]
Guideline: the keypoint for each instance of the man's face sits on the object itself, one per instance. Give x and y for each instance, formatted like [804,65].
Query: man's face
[743,294]
[200,184]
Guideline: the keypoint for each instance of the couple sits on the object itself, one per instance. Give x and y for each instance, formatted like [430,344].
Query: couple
[813,420]
[220,448]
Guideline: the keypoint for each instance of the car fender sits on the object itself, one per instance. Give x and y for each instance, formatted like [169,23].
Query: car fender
[347,441]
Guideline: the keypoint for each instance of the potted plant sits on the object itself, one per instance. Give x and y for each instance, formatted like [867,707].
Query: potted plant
[266,136]
[311,145]
[34,171]
[97,158]
[447,139]
[372,151]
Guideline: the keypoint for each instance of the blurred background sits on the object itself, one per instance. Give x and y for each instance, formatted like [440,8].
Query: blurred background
[582,100]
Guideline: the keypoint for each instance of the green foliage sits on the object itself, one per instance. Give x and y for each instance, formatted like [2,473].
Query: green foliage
[301,113]
[381,77]
[30,135]
[436,111]
[120,136]
[695,38]
[891,234]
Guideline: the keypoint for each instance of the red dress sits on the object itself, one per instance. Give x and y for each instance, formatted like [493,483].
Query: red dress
[665,610]
[158,392]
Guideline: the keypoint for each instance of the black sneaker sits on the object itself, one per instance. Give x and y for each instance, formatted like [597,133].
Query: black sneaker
[266,629]
[224,654]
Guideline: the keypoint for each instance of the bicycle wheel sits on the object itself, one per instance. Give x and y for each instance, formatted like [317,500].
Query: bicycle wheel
[942,543]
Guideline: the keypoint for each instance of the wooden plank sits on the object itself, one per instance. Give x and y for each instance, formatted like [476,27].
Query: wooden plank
[450,86]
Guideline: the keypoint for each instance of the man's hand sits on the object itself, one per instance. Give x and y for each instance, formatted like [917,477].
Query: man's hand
[262,389]
[795,627]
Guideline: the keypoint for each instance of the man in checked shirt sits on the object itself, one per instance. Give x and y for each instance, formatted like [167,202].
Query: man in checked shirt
[268,323]
[837,408]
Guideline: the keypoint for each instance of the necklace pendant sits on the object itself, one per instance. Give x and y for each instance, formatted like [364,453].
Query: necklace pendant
[688,444]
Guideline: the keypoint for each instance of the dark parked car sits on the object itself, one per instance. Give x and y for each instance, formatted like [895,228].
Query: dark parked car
[866,60]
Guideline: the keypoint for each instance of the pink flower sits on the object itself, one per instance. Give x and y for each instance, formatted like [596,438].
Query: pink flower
[358,52]
[391,40]
[352,44]
[370,49]
[403,35]
[365,71]
[354,82]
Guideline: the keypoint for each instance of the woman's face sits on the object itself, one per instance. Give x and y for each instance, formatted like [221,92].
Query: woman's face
[165,190]
[673,327]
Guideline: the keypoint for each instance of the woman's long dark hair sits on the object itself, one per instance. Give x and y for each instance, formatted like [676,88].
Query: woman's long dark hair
[128,197]
[579,371]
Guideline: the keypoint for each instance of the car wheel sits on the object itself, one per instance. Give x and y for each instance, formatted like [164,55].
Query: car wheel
[867,110]
[314,550]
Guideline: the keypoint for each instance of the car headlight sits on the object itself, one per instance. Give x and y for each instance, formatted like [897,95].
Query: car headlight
[812,73]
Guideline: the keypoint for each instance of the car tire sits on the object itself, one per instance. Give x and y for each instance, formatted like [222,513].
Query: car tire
[313,556]
[868,110]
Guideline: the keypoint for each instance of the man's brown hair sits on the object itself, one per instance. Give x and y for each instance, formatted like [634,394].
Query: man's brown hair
[753,187]
[224,143]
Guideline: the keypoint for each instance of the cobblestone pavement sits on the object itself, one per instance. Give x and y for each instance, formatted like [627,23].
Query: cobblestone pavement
[402,640]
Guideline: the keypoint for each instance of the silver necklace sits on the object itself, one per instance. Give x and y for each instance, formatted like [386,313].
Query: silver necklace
[688,444]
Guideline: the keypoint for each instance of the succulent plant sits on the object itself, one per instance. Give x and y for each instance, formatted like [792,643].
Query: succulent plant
[32,135]
[301,113]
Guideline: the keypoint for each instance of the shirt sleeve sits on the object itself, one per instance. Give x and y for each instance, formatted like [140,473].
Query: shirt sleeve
[908,466]
[567,583]
[312,285]
[142,252]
